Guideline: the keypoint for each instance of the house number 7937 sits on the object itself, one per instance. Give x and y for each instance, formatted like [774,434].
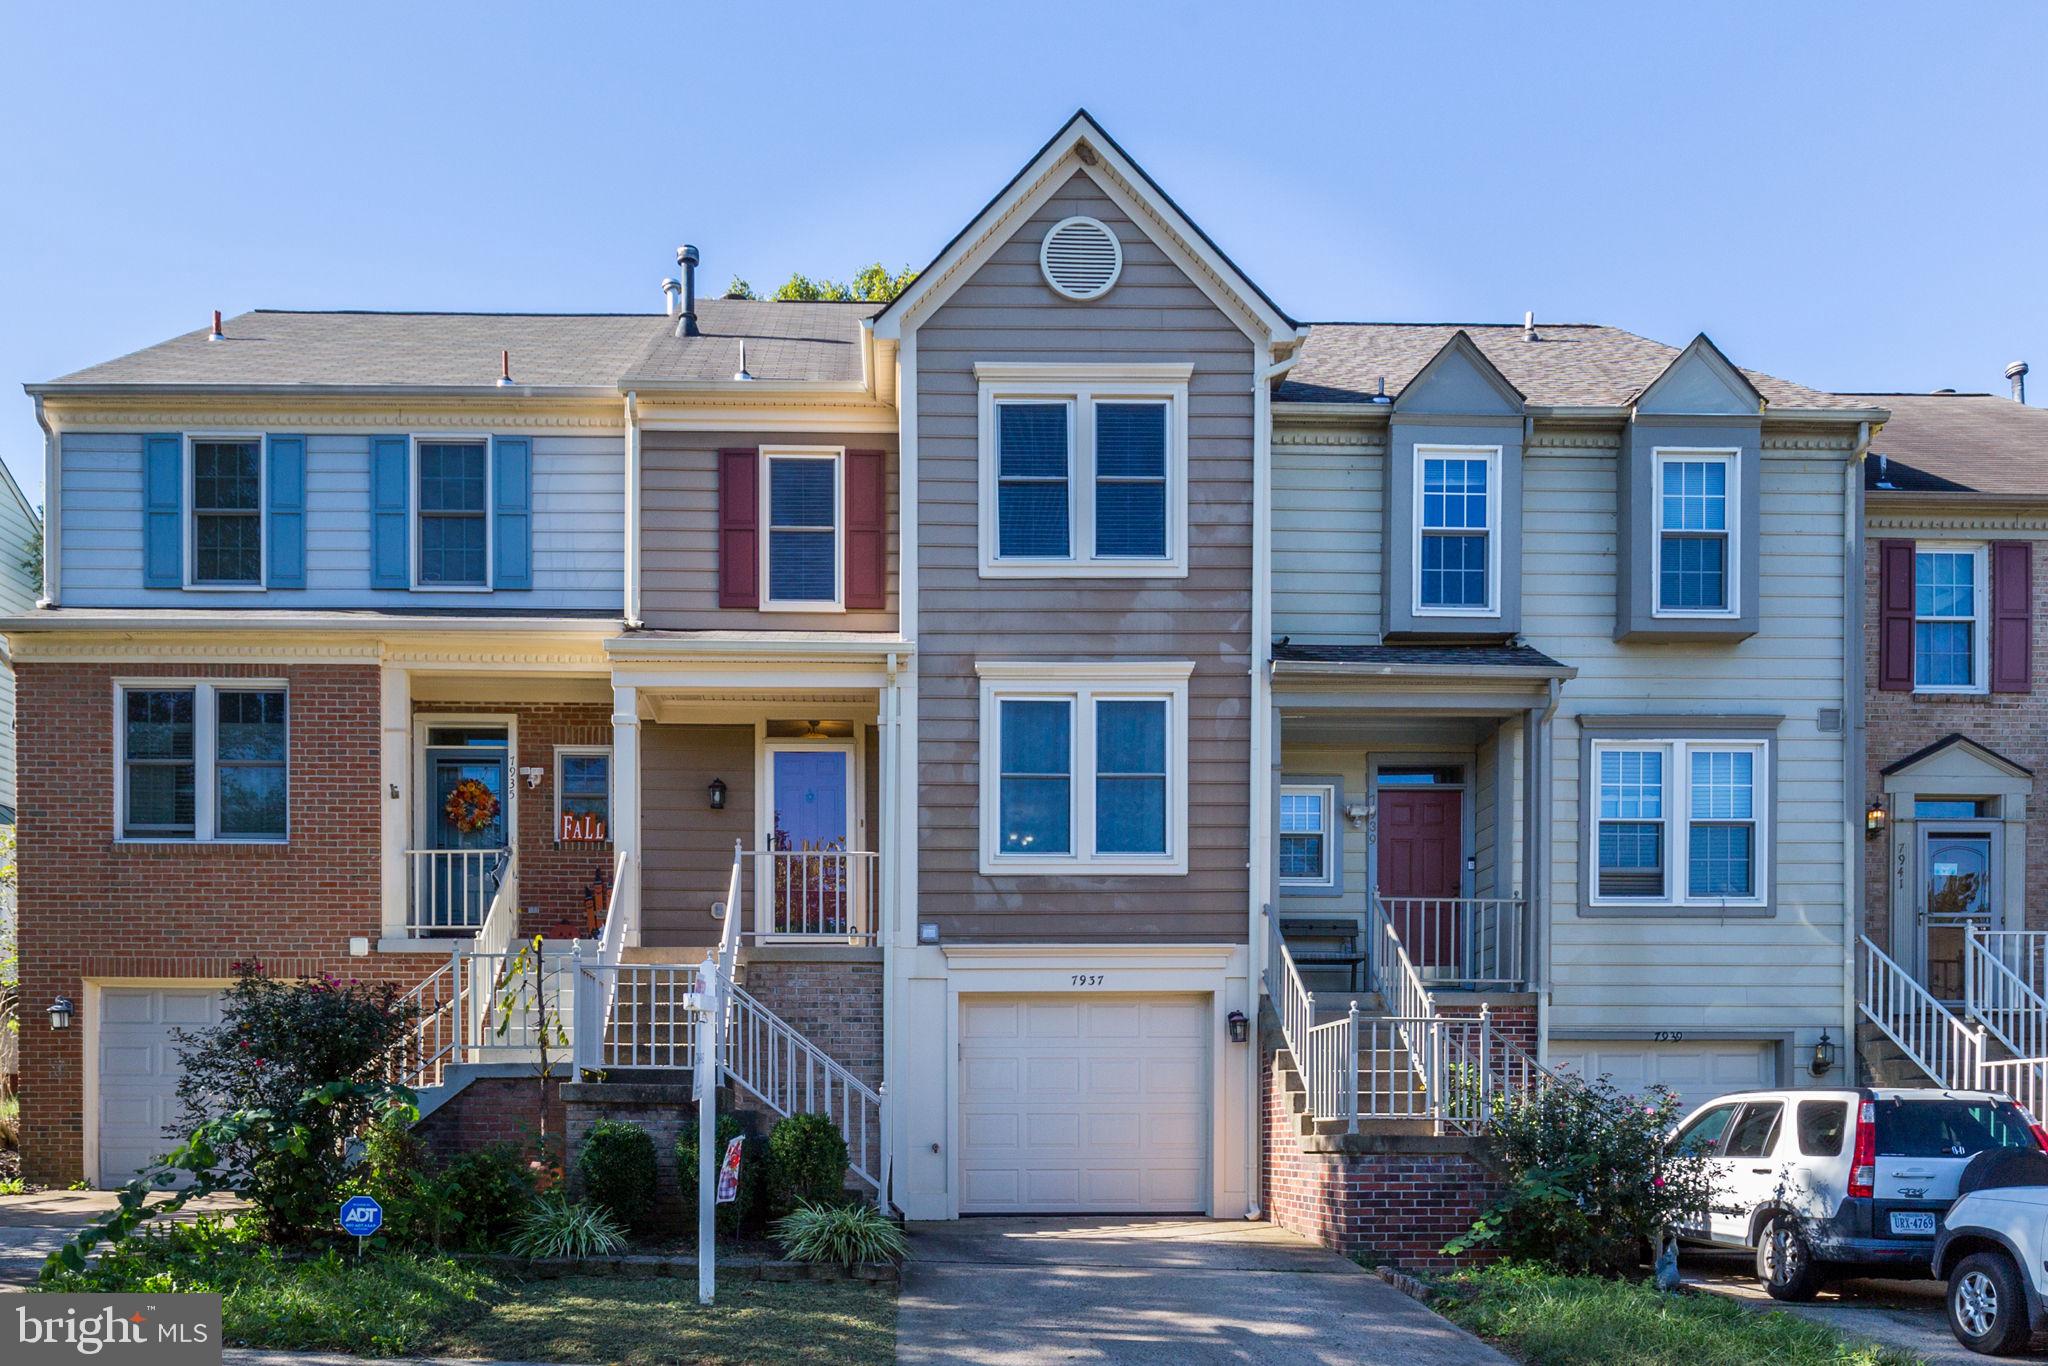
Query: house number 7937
[1087,979]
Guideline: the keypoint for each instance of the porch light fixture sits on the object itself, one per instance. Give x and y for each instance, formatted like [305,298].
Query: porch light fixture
[1240,1027]
[927,933]
[1874,819]
[60,1013]
[717,794]
[1823,1055]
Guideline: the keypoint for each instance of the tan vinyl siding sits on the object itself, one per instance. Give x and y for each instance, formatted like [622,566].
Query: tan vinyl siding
[1328,492]
[679,533]
[686,847]
[1154,314]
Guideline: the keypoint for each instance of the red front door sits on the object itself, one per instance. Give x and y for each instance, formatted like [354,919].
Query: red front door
[1421,868]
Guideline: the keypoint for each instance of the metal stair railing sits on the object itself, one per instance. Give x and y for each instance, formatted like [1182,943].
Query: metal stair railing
[1926,1031]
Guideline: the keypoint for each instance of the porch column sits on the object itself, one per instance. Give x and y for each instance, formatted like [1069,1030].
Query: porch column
[882,820]
[394,786]
[1535,829]
[626,797]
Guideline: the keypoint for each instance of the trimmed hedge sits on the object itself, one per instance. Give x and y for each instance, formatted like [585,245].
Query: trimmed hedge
[806,1163]
[616,1164]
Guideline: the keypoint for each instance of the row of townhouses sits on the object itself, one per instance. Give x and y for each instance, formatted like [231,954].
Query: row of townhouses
[1129,748]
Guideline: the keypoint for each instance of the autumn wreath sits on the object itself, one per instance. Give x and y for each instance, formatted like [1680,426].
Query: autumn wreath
[471,806]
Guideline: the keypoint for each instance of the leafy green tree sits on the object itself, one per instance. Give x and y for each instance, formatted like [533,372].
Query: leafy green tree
[740,289]
[32,557]
[871,284]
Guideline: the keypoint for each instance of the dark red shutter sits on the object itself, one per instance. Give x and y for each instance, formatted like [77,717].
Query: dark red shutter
[867,506]
[1895,616]
[2012,634]
[739,528]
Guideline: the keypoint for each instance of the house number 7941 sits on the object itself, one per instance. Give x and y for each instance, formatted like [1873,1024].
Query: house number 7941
[1087,979]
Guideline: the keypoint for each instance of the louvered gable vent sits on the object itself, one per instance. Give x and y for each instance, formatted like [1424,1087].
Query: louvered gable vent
[1081,258]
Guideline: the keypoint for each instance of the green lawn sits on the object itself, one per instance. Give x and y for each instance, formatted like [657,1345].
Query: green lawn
[1547,1319]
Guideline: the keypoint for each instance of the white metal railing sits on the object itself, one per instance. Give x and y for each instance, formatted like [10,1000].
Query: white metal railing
[793,1076]
[1291,997]
[450,891]
[522,999]
[2022,953]
[1461,941]
[442,999]
[597,978]
[1931,1036]
[814,894]
[649,1020]
[2001,997]
[2024,1079]
[1399,984]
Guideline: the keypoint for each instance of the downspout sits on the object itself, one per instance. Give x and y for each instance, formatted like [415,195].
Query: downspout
[1539,863]
[1853,909]
[52,501]
[886,925]
[630,607]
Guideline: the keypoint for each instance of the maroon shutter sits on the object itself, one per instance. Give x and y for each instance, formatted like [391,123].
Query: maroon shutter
[739,528]
[2012,643]
[867,502]
[1895,616]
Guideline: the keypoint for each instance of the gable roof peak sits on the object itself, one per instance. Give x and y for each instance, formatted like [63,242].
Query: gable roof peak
[1701,350]
[1461,346]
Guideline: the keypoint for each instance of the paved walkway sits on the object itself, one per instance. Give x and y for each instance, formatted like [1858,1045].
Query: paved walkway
[1013,1291]
[34,1226]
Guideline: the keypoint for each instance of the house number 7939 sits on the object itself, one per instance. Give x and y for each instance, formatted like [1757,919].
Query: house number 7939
[1087,979]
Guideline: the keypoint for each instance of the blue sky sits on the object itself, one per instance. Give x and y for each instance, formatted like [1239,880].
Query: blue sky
[1852,196]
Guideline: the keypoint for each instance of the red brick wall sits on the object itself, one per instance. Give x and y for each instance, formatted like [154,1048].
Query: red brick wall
[497,1110]
[94,908]
[1394,1207]
[836,1005]
[1515,1023]
[1899,723]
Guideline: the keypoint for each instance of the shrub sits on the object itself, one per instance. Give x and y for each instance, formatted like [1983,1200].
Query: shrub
[418,1199]
[489,1191]
[555,1226]
[616,1162]
[845,1234]
[1592,1177]
[806,1162]
[743,1212]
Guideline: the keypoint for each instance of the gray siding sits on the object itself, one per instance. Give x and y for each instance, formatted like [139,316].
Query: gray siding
[578,530]
[1007,312]
[679,533]
[1329,489]
[18,593]
[686,848]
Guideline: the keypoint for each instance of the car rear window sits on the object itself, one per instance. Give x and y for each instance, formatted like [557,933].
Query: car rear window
[1821,1123]
[1949,1128]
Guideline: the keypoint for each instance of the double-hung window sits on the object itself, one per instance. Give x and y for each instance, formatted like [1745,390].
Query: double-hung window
[1457,491]
[1083,470]
[1951,644]
[803,507]
[202,761]
[1695,545]
[1308,852]
[227,512]
[1084,768]
[454,520]
[583,794]
[1679,822]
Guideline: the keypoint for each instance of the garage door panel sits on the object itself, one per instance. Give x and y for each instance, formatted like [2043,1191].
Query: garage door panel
[1111,1113]
[138,1071]
[1695,1070]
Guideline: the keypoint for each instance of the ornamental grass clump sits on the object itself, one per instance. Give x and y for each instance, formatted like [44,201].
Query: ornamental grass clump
[556,1226]
[845,1235]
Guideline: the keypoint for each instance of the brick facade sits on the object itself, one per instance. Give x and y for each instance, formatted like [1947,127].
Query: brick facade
[661,1110]
[496,1110]
[835,1003]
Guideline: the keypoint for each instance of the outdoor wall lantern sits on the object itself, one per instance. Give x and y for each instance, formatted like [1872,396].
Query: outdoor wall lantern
[1240,1027]
[1823,1055]
[1873,819]
[60,1013]
[717,793]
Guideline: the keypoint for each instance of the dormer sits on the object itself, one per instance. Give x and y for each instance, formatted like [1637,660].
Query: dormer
[1687,500]
[1454,499]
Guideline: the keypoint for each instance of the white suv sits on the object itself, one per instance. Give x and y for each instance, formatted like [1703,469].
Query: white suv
[1825,1183]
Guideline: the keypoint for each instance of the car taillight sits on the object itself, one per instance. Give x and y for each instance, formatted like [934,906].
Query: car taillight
[1863,1166]
[2040,1134]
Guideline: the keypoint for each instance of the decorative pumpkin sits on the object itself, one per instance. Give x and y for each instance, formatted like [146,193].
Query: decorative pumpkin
[471,806]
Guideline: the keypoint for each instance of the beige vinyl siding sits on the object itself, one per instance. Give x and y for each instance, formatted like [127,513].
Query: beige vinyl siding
[1698,973]
[1154,314]
[679,533]
[686,847]
[1328,491]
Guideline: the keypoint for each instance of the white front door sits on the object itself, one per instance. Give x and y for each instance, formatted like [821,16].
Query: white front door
[138,1066]
[1097,1105]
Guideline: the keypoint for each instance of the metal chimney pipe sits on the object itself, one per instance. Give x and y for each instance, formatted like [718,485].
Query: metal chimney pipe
[671,294]
[2017,373]
[1529,325]
[686,257]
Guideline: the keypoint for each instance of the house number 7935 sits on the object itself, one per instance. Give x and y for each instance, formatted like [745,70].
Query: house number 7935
[1087,979]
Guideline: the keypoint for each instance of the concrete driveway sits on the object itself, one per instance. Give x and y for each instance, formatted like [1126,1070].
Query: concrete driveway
[34,1226]
[1150,1290]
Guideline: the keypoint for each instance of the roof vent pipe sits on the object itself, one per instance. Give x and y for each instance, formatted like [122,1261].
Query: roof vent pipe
[1529,325]
[2017,373]
[672,295]
[741,375]
[504,369]
[1381,395]
[686,257]
[218,335]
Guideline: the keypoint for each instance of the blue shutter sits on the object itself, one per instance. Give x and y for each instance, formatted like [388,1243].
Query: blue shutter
[512,511]
[287,511]
[390,500]
[163,511]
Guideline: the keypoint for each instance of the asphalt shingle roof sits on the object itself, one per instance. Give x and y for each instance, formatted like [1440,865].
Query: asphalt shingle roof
[784,341]
[1487,655]
[1568,365]
[1958,443]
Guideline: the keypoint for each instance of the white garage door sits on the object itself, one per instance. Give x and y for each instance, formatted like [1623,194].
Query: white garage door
[139,1071]
[1084,1105]
[1697,1070]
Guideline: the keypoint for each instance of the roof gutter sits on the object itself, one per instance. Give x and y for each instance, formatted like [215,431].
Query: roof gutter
[60,389]
[305,623]
[1505,673]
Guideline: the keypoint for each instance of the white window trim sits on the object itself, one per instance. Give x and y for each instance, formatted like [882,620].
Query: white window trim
[1677,822]
[837,455]
[1492,456]
[564,751]
[417,514]
[1326,793]
[188,497]
[1980,621]
[422,774]
[1083,685]
[1080,387]
[205,757]
[1661,456]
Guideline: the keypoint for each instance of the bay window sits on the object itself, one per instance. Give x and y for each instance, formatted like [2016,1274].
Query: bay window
[202,761]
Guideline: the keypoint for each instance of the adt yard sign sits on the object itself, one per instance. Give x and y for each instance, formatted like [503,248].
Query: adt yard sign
[361,1216]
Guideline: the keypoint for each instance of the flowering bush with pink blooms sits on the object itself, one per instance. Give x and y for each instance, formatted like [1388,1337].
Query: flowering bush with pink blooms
[1593,1180]
[303,1065]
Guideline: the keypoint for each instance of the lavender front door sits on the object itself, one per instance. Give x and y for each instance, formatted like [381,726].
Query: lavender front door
[810,829]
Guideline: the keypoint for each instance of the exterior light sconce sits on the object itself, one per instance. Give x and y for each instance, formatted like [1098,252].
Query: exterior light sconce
[717,794]
[1874,819]
[927,932]
[1823,1055]
[60,1013]
[1240,1027]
